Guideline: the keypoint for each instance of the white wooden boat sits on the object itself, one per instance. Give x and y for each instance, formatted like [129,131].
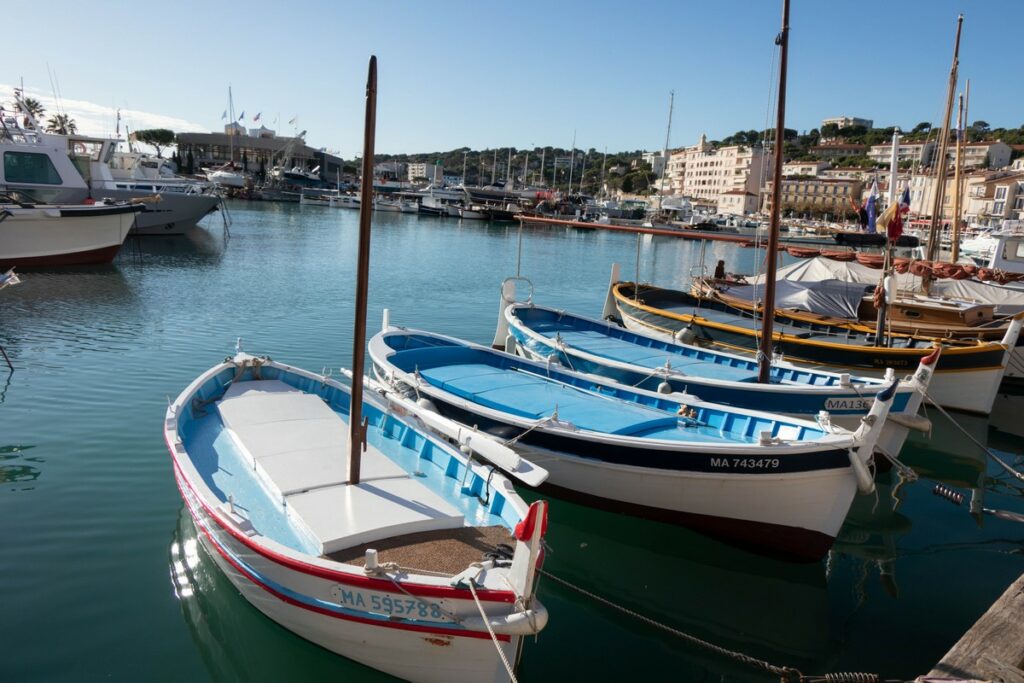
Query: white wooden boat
[638,360]
[33,236]
[344,201]
[379,572]
[776,484]
[226,178]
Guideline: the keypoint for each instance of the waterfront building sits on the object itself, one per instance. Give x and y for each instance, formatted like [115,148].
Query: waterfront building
[919,153]
[737,203]
[803,168]
[432,173]
[813,195]
[847,121]
[988,197]
[838,150]
[236,145]
[708,171]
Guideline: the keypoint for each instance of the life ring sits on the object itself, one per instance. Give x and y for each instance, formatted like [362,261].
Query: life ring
[78,148]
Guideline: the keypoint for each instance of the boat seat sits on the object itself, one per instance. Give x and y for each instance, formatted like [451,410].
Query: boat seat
[298,448]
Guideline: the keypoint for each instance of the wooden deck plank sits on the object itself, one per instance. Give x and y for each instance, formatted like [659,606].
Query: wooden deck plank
[447,551]
[992,649]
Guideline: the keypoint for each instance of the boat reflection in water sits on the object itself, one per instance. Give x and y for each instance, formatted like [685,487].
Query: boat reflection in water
[764,607]
[236,642]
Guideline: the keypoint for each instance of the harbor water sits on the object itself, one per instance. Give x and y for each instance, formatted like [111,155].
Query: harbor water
[101,577]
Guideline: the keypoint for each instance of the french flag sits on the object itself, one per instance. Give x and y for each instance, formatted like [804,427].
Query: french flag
[871,204]
[895,225]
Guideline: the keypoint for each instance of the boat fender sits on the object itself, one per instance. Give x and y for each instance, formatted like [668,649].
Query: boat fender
[686,335]
[890,375]
[510,344]
[824,420]
[916,422]
[664,387]
[865,482]
[844,379]
[426,403]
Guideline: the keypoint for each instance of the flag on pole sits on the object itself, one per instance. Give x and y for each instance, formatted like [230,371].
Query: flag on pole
[871,205]
[892,217]
[294,119]
[224,116]
[241,117]
[118,123]
[257,117]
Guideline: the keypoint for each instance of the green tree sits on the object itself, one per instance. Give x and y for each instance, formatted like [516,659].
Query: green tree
[32,106]
[922,127]
[61,124]
[981,126]
[158,137]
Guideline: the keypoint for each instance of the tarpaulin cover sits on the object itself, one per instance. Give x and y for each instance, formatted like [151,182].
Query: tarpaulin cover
[831,297]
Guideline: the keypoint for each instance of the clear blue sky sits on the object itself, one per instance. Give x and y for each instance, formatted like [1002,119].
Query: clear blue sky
[523,73]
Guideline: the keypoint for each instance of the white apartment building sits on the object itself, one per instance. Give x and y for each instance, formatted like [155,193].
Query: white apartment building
[707,171]
[847,121]
[984,154]
[915,152]
[808,168]
[434,173]
[737,203]
[657,162]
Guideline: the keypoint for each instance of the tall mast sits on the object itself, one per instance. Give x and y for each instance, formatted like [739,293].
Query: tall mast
[940,164]
[959,179]
[764,353]
[356,426]
[494,166]
[572,159]
[543,158]
[955,222]
[664,150]
[231,127]
[883,307]
[464,155]
[583,171]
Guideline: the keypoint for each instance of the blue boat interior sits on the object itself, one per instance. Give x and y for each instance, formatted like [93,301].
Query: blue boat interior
[618,344]
[532,391]
[229,475]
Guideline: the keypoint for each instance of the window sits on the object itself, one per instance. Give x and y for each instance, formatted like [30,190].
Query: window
[30,167]
[1001,193]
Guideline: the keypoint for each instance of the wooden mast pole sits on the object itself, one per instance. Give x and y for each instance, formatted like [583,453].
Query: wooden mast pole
[958,212]
[764,353]
[940,160]
[356,425]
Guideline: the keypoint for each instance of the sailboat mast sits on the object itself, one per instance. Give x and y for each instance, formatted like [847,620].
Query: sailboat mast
[664,150]
[572,159]
[958,183]
[356,425]
[883,307]
[764,353]
[955,223]
[940,163]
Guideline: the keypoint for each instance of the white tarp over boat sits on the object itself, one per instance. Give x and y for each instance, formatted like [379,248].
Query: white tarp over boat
[1008,301]
[835,298]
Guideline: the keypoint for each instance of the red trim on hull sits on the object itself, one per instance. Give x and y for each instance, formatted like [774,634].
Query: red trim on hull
[364,582]
[774,540]
[483,635]
[78,258]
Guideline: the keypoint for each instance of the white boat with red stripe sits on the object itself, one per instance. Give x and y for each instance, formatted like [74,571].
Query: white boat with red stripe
[424,569]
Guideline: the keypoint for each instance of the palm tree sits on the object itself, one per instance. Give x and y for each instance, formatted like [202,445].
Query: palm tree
[32,106]
[62,124]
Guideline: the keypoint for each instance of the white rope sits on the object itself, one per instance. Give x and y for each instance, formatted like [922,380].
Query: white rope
[494,638]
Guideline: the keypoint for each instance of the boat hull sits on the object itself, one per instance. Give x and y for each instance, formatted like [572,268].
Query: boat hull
[280,592]
[175,213]
[35,238]
[967,378]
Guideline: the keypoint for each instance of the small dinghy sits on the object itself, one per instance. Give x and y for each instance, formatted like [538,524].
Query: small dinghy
[638,360]
[776,484]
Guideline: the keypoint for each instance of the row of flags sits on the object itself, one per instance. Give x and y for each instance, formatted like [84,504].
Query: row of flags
[255,119]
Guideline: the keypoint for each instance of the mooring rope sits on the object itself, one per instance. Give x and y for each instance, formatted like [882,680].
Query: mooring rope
[786,674]
[494,638]
[984,449]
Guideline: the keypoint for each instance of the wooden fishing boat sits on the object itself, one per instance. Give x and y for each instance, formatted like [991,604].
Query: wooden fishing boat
[775,484]
[967,376]
[639,360]
[259,451]
[424,568]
